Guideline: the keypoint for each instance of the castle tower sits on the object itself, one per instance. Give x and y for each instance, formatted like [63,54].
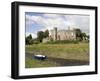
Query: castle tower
[55,33]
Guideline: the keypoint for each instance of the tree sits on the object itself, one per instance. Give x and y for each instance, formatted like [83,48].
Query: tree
[46,33]
[30,36]
[83,36]
[40,36]
[78,34]
[88,36]
[29,40]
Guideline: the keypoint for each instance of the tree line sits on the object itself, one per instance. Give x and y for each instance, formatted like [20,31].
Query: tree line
[81,35]
[44,34]
[39,39]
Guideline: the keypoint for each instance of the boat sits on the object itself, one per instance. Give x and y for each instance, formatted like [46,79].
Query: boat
[40,57]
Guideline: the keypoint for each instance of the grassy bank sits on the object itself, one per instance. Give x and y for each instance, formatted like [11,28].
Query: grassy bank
[78,51]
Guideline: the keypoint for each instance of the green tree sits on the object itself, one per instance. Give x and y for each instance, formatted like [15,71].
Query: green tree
[29,40]
[40,36]
[78,34]
[46,33]
[88,36]
[30,36]
[83,36]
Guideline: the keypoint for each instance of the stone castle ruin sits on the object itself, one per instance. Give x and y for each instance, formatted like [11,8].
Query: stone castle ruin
[63,34]
[56,34]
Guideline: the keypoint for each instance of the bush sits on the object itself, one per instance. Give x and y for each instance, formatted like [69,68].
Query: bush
[85,41]
[29,41]
[36,42]
[62,42]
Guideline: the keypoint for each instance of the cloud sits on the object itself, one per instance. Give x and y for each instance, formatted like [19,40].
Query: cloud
[49,21]
[57,22]
[33,19]
[79,21]
[51,15]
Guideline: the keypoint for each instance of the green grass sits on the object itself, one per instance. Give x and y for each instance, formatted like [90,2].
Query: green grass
[78,51]
[63,42]
[39,63]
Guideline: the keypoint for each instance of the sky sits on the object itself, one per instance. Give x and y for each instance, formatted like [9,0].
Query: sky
[35,22]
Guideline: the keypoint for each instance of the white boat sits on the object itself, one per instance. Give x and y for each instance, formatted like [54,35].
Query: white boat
[40,57]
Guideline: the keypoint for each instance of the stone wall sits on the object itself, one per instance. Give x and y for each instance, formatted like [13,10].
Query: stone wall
[63,34]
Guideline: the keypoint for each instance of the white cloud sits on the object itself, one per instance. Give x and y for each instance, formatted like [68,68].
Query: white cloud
[34,19]
[51,15]
[49,21]
[80,21]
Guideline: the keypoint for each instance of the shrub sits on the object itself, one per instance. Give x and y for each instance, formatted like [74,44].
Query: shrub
[62,42]
[36,42]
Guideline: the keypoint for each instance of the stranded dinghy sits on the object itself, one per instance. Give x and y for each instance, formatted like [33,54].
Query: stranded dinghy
[40,57]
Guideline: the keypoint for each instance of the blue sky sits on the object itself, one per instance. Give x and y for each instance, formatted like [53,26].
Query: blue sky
[41,21]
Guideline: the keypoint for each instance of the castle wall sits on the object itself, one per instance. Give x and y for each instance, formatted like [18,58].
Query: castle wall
[66,35]
[63,34]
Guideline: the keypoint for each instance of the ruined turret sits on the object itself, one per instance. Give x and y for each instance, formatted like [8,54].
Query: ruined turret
[55,33]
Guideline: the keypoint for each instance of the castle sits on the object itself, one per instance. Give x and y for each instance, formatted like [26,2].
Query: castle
[63,34]
[56,34]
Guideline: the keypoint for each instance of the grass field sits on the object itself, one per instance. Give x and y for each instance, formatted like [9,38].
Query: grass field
[58,55]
